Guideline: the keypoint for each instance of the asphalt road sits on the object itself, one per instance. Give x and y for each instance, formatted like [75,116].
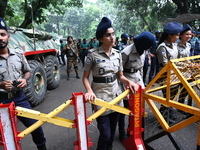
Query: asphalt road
[61,138]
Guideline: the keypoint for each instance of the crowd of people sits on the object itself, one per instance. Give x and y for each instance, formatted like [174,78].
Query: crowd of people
[113,64]
[128,60]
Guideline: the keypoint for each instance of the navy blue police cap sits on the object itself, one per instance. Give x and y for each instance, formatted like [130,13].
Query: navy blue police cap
[102,27]
[157,32]
[186,28]
[3,24]
[193,31]
[125,35]
[173,28]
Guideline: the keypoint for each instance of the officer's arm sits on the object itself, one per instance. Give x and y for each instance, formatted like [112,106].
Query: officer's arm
[133,86]
[23,83]
[90,96]
[6,85]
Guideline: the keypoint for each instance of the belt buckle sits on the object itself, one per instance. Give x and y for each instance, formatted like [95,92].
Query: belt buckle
[108,79]
[10,95]
[132,70]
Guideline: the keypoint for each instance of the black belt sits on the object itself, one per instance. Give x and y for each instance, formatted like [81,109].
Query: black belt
[131,70]
[104,79]
[10,95]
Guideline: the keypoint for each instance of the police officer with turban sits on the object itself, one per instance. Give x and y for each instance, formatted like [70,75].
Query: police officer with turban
[14,73]
[105,63]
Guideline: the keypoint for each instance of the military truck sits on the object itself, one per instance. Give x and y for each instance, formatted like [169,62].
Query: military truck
[40,51]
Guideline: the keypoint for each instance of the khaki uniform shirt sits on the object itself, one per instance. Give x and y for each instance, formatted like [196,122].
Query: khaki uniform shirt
[14,67]
[183,50]
[102,65]
[131,59]
[166,52]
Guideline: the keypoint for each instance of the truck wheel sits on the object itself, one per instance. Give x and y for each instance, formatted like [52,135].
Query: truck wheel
[52,72]
[37,84]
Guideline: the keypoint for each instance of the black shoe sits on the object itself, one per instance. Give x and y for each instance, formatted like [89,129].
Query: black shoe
[77,76]
[108,148]
[42,147]
[68,77]
[122,135]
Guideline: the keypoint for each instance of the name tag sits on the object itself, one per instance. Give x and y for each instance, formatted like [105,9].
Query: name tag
[100,61]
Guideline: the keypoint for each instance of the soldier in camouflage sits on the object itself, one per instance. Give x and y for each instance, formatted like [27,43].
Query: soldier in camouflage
[71,51]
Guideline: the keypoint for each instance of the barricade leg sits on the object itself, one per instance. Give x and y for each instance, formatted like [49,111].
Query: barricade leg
[8,127]
[81,122]
[135,141]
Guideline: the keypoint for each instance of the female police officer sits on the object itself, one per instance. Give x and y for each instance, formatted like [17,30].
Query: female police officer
[105,63]
[133,62]
[167,50]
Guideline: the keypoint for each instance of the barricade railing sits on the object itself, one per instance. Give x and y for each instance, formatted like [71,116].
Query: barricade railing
[134,142]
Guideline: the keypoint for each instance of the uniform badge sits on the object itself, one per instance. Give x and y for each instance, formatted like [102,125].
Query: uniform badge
[101,71]
[88,60]
[3,24]
[163,53]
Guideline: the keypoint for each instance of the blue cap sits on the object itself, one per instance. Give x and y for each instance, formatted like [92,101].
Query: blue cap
[173,28]
[198,32]
[144,41]
[157,32]
[125,35]
[3,24]
[103,26]
[193,31]
[186,28]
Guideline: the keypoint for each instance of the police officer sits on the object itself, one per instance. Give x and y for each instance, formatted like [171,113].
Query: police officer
[72,55]
[168,50]
[133,61]
[105,63]
[184,51]
[15,69]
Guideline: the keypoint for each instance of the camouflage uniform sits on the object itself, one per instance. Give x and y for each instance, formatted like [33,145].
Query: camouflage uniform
[71,59]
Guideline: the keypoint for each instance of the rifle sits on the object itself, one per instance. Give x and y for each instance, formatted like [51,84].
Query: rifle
[75,53]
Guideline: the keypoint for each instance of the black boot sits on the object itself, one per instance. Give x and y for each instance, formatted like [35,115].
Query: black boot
[77,76]
[42,147]
[67,76]
[122,135]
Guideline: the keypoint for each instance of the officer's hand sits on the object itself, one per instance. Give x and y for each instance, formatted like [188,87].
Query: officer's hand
[67,48]
[133,87]
[6,85]
[90,97]
[22,84]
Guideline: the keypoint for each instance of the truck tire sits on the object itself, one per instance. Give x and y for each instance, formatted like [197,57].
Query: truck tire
[52,72]
[37,84]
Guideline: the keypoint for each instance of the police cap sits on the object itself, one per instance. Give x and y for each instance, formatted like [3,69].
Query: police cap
[186,28]
[157,32]
[125,35]
[3,24]
[173,28]
[102,27]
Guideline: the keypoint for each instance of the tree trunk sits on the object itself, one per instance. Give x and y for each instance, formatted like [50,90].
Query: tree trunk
[3,8]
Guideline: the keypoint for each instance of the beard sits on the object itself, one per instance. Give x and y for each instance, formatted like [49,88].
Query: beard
[3,44]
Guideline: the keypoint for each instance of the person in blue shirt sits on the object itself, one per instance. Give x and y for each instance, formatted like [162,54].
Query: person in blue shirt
[95,43]
[84,48]
[197,45]
[124,42]
[192,41]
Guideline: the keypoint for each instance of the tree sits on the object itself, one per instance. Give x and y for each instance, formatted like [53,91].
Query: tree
[34,9]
